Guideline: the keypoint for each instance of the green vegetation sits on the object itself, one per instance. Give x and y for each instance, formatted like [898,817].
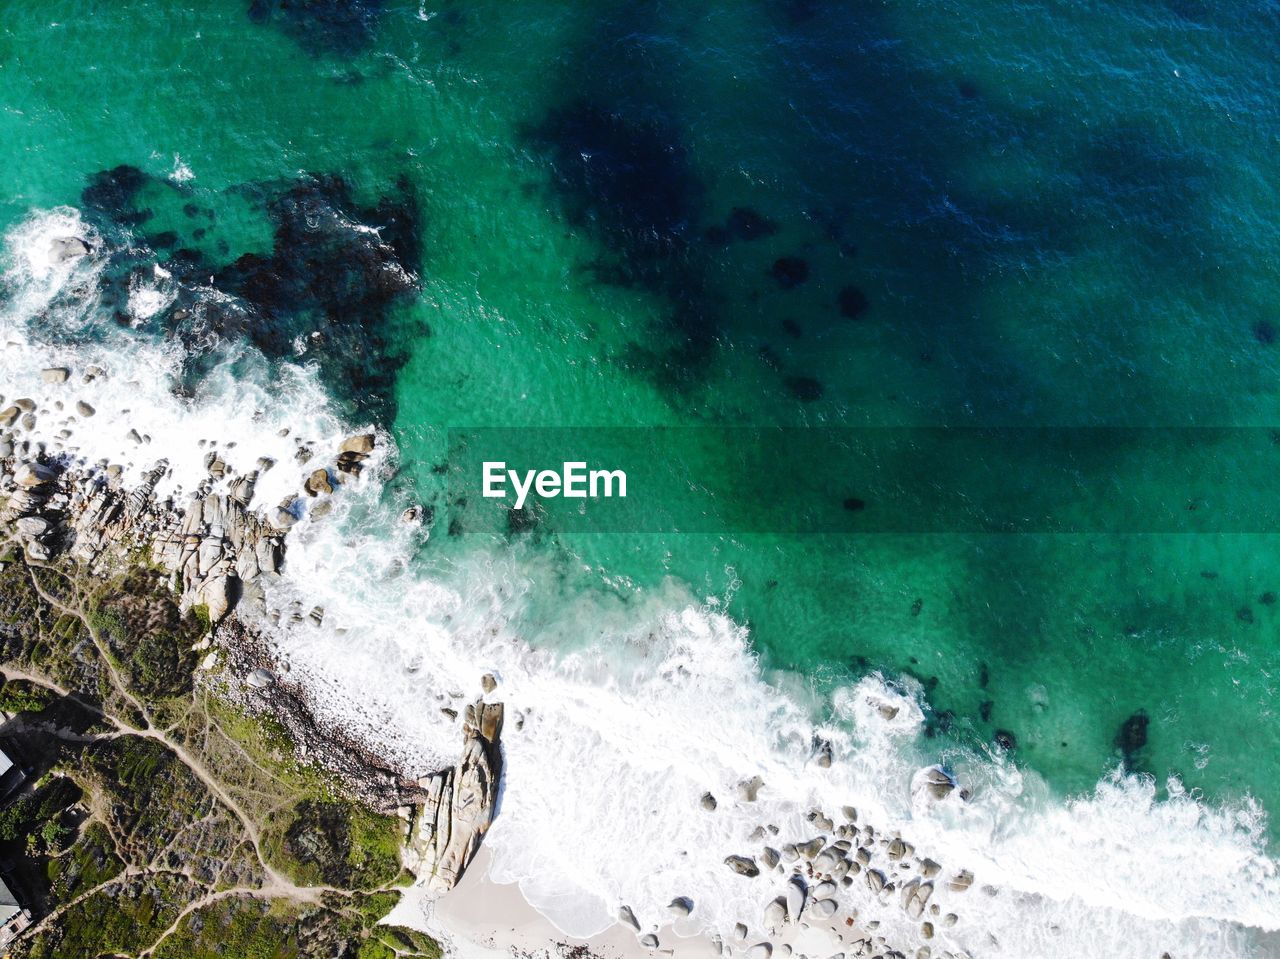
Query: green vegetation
[241,927]
[162,809]
[18,696]
[29,812]
[338,843]
[124,918]
[88,863]
[146,635]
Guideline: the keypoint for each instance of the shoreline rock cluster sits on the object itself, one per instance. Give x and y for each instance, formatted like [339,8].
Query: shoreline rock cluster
[871,890]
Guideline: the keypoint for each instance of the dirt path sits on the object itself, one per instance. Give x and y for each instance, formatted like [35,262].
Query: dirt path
[276,885]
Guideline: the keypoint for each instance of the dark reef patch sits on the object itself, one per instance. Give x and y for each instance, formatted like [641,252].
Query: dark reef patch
[113,193]
[1131,738]
[336,27]
[748,224]
[797,12]
[789,271]
[852,302]
[804,388]
[331,281]
[625,174]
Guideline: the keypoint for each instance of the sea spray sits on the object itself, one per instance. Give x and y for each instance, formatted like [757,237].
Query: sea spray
[660,701]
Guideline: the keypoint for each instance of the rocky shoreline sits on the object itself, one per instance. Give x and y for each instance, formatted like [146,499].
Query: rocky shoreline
[220,554]
[872,891]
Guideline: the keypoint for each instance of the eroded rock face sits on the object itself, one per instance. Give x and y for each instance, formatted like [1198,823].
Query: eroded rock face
[460,802]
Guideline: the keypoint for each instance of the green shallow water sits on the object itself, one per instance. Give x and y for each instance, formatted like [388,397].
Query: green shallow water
[1058,217]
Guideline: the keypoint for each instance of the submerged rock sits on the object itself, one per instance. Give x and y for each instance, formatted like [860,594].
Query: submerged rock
[1006,740]
[1133,733]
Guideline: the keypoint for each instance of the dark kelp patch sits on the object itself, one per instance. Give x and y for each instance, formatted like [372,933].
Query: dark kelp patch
[804,388]
[625,175]
[332,280]
[114,193]
[330,283]
[335,27]
[852,302]
[789,271]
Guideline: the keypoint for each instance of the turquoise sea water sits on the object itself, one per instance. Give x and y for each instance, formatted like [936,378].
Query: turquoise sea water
[795,213]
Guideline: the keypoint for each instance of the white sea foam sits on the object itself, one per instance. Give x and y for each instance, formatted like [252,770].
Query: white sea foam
[52,317]
[610,747]
[181,173]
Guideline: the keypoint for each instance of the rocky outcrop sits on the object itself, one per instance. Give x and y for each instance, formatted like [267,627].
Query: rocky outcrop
[217,547]
[460,802]
[67,248]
